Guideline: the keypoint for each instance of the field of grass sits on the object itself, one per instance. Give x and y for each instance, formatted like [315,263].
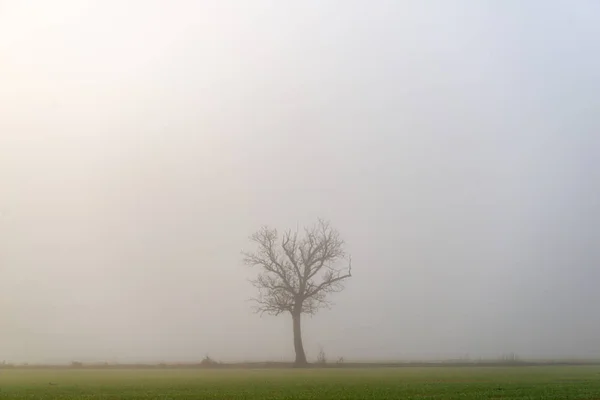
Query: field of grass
[548,382]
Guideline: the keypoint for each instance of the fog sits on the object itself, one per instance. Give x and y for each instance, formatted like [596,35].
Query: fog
[454,145]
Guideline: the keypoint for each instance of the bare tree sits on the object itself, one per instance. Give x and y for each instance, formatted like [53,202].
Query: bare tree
[297,273]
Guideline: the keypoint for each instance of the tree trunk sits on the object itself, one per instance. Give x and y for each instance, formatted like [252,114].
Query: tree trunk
[298,347]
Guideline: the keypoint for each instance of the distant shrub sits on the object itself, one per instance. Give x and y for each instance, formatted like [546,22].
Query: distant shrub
[208,362]
[76,364]
[322,357]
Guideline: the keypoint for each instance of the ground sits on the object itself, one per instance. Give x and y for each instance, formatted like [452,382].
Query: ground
[543,382]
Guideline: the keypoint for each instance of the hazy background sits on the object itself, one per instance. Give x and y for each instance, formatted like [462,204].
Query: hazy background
[455,145]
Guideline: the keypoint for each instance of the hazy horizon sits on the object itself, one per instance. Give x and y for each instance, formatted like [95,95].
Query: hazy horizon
[454,145]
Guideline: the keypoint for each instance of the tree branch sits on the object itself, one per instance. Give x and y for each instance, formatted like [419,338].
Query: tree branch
[297,274]
[289,245]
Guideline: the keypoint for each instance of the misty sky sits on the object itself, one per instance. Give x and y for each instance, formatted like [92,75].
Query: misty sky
[454,144]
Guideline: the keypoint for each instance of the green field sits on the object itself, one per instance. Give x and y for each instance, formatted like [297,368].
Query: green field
[549,382]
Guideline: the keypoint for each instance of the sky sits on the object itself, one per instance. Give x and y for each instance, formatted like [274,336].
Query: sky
[454,145]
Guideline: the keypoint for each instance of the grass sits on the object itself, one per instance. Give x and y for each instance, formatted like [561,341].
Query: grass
[550,382]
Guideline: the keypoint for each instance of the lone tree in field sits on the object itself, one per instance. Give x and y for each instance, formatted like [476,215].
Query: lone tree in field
[297,273]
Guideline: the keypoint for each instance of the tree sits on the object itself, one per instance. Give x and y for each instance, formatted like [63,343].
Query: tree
[297,273]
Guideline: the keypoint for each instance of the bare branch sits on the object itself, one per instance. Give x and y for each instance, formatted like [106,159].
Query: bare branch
[289,245]
[297,274]
[268,258]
